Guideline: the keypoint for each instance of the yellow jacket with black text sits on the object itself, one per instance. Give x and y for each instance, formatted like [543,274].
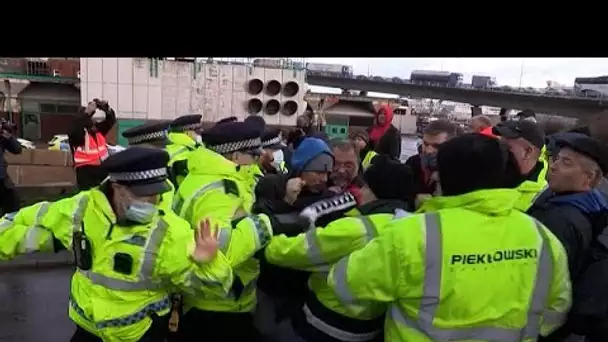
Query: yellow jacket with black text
[476,269]
[214,189]
[132,266]
[317,250]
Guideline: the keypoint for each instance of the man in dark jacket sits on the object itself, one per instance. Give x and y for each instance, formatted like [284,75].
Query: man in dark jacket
[384,137]
[8,142]
[425,164]
[576,212]
[94,121]
[281,290]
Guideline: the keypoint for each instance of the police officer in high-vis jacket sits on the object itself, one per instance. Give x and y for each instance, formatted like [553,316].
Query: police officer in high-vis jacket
[215,188]
[273,160]
[153,135]
[129,254]
[184,137]
[323,318]
[473,268]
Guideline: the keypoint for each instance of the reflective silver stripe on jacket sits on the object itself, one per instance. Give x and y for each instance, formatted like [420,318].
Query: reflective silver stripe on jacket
[136,317]
[180,203]
[261,234]
[334,332]
[313,249]
[145,280]
[32,236]
[430,299]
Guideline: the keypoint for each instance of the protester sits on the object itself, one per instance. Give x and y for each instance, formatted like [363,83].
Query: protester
[87,139]
[364,148]
[384,137]
[480,123]
[346,173]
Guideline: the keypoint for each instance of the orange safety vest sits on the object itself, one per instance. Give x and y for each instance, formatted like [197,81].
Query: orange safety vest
[93,151]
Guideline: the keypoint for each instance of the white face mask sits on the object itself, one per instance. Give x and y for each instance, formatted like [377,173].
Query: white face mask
[98,116]
[278,159]
[199,139]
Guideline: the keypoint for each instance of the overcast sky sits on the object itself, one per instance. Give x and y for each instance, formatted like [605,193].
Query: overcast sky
[533,72]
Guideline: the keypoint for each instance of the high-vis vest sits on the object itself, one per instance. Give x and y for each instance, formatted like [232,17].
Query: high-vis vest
[132,267]
[530,190]
[179,148]
[93,152]
[367,161]
[316,251]
[216,193]
[476,270]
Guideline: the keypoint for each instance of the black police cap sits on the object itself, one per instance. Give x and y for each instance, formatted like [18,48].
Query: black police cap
[271,138]
[143,170]
[148,132]
[228,119]
[187,123]
[231,137]
[587,146]
[256,122]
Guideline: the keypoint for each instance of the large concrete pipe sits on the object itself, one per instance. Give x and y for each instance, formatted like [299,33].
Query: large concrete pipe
[254,106]
[255,86]
[273,88]
[272,107]
[290,89]
[289,108]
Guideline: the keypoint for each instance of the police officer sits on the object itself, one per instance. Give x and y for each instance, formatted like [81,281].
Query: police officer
[184,137]
[151,134]
[215,188]
[472,268]
[127,251]
[273,159]
[388,188]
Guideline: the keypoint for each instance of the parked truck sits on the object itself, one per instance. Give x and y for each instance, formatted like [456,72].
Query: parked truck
[483,82]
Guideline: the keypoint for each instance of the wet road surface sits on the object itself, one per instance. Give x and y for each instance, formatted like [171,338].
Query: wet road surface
[33,305]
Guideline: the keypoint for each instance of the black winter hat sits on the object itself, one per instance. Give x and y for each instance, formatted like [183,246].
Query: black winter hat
[472,162]
[389,179]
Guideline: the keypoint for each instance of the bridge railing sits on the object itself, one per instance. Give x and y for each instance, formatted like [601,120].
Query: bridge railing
[518,91]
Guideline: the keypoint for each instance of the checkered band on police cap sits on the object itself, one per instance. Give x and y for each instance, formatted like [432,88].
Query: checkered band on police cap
[189,127]
[138,175]
[271,142]
[235,146]
[147,137]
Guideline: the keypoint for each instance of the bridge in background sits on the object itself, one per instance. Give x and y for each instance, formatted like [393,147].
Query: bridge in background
[576,107]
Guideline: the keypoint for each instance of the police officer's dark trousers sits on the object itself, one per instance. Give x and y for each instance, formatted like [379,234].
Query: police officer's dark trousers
[156,333]
[209,326]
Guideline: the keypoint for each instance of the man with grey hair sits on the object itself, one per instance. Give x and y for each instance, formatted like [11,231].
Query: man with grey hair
[345,175]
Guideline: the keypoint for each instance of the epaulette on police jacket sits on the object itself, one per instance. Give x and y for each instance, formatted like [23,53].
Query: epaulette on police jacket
[327,206]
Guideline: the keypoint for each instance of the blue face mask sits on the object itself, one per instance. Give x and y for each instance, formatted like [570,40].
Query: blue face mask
[429,161]
[140,212]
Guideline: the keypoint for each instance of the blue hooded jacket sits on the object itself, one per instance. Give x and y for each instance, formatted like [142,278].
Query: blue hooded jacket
[308,150]
[588,202]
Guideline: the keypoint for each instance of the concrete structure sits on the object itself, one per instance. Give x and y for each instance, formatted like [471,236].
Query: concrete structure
[560,105]
[41,105]
[151,89]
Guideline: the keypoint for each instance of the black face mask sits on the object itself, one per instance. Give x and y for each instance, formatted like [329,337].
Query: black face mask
[429,161]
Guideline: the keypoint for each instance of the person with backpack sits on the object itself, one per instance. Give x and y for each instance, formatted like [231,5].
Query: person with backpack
[575,212]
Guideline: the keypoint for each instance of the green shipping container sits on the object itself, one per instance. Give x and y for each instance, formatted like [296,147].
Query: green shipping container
[125,124]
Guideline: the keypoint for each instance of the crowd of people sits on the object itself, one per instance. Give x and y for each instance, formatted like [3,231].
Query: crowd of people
[241,232]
